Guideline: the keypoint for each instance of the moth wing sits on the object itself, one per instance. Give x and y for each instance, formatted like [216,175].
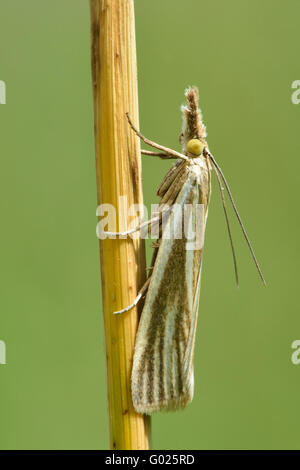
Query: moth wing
[162,373]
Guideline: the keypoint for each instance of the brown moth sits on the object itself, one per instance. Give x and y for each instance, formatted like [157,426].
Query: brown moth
[162,373]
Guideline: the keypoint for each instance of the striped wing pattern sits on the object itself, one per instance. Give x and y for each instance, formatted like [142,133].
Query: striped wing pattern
[162,373]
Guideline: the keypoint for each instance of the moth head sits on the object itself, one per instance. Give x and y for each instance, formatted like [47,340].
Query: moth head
[195,147]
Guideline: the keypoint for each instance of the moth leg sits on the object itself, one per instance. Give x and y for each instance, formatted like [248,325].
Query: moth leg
[141,226]
[166,150]
[149,268]
[133,230]
[156,154]
[137,299]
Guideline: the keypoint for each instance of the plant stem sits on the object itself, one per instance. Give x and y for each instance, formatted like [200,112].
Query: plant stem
[118,169]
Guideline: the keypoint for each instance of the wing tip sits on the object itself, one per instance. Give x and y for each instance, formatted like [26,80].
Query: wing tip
[166,405]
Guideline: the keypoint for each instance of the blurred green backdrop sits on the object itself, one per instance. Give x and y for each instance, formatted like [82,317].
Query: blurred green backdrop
[243,56]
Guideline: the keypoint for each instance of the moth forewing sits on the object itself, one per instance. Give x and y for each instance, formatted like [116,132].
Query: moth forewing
[162,373]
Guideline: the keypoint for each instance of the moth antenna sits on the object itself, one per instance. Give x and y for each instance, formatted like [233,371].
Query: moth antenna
[228,227]
[237,215]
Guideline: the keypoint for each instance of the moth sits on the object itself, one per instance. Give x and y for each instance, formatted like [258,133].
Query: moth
[163,374]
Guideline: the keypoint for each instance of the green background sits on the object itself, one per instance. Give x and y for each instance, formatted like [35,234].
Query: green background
[243,55]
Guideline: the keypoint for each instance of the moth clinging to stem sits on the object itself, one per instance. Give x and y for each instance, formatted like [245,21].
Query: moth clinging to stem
[162,374]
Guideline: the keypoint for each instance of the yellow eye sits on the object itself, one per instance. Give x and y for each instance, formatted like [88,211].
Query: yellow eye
[195,146]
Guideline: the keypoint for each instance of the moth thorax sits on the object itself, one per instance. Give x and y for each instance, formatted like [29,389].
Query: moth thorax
[195,147]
